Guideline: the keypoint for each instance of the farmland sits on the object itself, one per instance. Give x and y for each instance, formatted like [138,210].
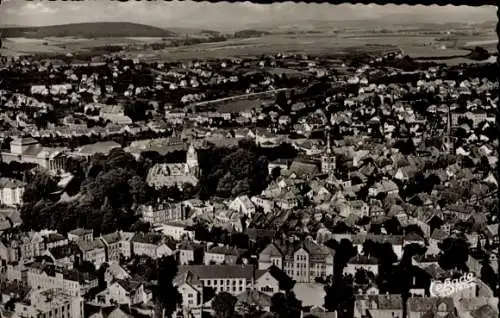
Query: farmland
[416,43]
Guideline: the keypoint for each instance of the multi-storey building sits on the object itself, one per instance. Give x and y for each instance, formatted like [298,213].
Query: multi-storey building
[303,261]
[11,192]
[162,213]
[117,244]
[53,303]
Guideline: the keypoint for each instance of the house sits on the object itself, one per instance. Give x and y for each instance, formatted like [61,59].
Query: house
[280,164]
[384,186]
[21,246]
[52,240]
[413,238]
[366,263]
[116,244]
[303,261]
[191,289]
[221,255]
[189,252]
[265,203]
[49,303]
[383,306]
[154,245]
[272,280]
[124,292]
[93,251]
[115,272]
[162,213]
[81,235]
[395,240]
[419,307]
[254,298]
[243,204]
[65,255]
[11,192]
[46,276]
[177,230]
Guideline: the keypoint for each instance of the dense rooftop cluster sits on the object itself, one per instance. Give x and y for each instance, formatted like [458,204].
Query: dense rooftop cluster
[284,184]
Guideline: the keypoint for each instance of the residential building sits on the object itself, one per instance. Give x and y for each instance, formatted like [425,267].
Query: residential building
[126,292]
[93,251]
[162,213]
[49,303]
[177,230]
[11,192]
[154,245]
[221,255]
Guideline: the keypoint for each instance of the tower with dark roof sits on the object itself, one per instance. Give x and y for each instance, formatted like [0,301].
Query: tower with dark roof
[328,161]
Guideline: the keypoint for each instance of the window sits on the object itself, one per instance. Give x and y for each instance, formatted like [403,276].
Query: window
[267,289]
[222,282]
[215,282]
[228,282]
[208,282]
[190,295]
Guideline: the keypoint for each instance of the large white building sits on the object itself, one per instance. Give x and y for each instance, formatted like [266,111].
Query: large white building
[11,192]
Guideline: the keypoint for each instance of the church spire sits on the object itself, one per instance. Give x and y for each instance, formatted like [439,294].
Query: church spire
[328,144]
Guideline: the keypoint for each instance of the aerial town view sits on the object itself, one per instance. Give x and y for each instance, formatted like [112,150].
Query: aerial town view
[238,160]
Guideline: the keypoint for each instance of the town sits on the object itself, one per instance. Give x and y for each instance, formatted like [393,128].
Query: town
[285,184]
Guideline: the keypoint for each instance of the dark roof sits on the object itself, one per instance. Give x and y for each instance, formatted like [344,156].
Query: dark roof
[219,271]
[111,238]
[53,237]
[254,233]
[485,311]
[255,297]
[285,281]
[377,238]
[129,285]
[424,304]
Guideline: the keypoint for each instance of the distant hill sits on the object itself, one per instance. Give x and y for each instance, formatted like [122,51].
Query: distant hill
[88,30]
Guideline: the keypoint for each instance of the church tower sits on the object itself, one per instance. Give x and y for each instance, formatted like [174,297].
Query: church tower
[328,163]
[448,144]
[192,161]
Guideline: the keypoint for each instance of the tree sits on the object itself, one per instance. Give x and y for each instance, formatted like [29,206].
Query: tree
[282,101]
[223,304]
[168,295]
[39,187]
[340,297]
[489,276]
[286,305]
[455,254]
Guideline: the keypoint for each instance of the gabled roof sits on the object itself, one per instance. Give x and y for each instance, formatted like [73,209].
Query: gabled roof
[285,282]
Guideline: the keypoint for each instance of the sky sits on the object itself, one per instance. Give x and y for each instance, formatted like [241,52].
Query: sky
[223,15]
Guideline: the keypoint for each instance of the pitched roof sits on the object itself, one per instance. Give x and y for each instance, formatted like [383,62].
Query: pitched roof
[255,297]
[424,304]
[219,271]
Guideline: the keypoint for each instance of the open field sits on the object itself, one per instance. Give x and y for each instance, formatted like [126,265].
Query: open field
[325,43]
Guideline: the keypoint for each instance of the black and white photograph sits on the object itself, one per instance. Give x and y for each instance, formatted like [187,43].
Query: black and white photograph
[182,159]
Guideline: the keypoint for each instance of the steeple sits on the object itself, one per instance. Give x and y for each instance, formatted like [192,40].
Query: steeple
[328,144]
[328,159]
